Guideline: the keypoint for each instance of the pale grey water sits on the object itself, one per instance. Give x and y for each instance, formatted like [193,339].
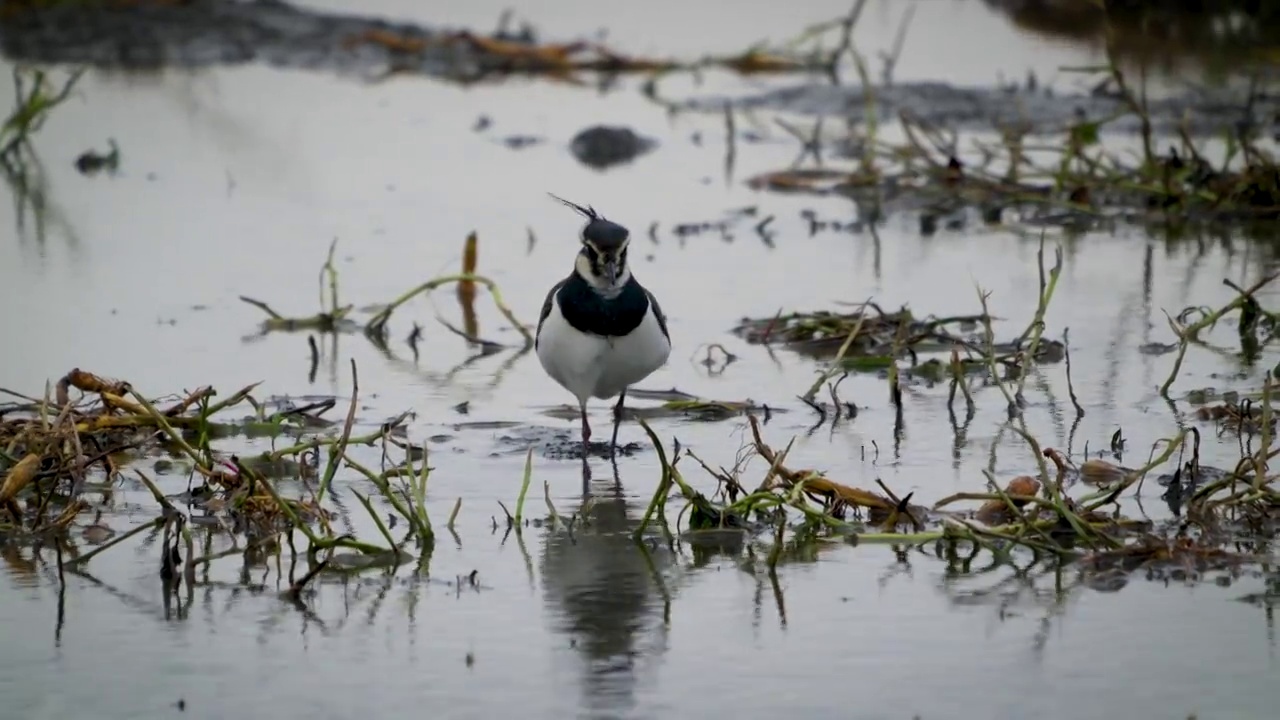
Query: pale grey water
[234,181]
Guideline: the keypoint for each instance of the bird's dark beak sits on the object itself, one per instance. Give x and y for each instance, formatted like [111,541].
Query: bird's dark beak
[610,270]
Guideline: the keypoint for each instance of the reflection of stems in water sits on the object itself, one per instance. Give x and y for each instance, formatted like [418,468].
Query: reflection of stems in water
[778,531]
[960,578]
[731,143]
[1061,593]
[331,273]
[959,434]
[146,607]
[18,158]
[62,597]
[413,595]
[32,108]
[1055,412]
[524,551]
[151,525]
[778,598]
[495,377]
[654,575]
[344,514]
[900,566]
[377,324]
[378,599]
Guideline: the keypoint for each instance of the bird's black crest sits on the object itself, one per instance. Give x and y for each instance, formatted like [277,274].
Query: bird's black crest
[606,235]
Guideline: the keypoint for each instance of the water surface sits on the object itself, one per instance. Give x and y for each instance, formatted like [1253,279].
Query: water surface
[234,181]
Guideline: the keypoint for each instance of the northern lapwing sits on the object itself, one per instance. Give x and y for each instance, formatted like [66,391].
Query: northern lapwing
[600,331]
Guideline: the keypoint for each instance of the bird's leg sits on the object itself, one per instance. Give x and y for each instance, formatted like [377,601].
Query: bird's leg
[586,430]
[617,420]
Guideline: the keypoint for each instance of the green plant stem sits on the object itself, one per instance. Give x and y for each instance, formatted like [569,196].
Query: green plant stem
[524,487]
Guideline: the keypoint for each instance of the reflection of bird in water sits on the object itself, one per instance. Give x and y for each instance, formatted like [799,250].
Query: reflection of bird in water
[602,591]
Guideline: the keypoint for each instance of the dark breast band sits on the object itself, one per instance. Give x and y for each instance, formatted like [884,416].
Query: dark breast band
[590,312]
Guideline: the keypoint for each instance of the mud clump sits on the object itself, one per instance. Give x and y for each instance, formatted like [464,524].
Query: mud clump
[601,146]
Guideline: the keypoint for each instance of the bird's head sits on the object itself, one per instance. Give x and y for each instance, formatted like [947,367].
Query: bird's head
[602,261]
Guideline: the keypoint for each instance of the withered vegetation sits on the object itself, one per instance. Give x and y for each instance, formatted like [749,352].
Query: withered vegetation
[1220,518]
[64,457]
[1028,177]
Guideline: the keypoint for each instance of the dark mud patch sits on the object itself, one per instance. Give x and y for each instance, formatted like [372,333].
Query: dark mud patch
[513,438]
[1202,111]
[561,443]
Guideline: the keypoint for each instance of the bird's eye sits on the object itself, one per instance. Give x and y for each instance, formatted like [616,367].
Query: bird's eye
[592,255]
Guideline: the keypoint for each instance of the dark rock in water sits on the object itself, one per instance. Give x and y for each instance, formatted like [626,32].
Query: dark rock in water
[602,146]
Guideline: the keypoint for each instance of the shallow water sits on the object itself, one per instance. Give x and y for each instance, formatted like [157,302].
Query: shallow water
[235,180]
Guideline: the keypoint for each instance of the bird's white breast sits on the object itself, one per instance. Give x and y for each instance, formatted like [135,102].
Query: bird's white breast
[597,366]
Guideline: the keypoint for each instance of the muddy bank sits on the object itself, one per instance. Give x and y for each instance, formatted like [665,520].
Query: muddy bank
[203,33]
